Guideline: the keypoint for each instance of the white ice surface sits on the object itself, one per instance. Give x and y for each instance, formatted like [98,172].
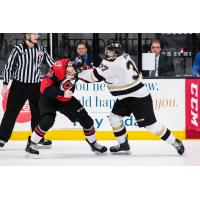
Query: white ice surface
[79,153]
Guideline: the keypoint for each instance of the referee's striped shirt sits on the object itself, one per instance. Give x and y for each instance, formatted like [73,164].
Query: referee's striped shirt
[24,63]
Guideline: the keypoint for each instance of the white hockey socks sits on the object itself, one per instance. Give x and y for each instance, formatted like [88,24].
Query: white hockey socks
[91,138]
[121,139]
[37,135]
[90,134]
[163,132]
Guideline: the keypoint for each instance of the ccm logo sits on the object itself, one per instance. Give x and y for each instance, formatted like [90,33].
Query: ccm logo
[194,104]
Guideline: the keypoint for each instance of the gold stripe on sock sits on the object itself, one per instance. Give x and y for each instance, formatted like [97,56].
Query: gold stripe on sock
[118,128]
[163,130]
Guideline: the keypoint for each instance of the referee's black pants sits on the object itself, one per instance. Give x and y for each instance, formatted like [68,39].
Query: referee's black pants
[19,93]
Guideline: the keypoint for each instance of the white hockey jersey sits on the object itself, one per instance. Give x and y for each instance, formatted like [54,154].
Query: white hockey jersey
[121,75]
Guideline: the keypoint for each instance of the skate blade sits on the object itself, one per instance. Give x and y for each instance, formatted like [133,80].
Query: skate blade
[43,146]
[183,154]
[31,156]
[121,153]
[99,153]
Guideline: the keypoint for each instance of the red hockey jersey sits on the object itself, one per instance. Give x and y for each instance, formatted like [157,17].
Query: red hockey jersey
[56,82]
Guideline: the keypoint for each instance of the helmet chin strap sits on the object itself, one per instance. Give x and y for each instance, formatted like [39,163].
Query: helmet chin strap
[30,40]
[111,57]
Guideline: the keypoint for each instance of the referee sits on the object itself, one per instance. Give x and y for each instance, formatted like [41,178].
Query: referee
[23,67]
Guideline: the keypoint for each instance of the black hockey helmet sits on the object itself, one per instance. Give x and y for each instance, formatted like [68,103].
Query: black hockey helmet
[115,47]
[78,64]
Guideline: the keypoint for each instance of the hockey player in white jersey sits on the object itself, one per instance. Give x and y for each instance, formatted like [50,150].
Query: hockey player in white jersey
[124,82]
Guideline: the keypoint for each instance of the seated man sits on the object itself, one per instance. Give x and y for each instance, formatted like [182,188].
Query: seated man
[87,59]
[163,64]
[57,95]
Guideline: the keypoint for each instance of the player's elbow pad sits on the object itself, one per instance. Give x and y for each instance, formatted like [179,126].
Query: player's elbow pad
[88,75]
[52,92]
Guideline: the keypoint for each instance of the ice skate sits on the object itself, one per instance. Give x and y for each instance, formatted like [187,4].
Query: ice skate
[97,148]
[44,144]
[2,143]
[178,145]
[123,149]
[31,151]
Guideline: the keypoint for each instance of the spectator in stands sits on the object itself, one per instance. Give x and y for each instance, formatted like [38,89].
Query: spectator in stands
[87,59]
[196,66]
[163,64]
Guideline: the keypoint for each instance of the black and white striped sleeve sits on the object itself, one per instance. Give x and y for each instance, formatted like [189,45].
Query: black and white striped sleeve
[9,66]
[48,59]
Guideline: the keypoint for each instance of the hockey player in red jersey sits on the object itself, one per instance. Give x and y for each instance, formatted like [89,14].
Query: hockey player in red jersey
[57,95]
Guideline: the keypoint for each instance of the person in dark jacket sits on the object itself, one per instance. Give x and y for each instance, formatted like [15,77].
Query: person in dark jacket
[87,59]
[196,66]
[163,64]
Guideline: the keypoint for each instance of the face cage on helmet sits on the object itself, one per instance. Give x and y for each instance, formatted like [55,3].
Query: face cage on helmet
[78,66]
[110,57]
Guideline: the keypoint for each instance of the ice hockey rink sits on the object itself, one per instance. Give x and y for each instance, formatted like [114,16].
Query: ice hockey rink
[148,152]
